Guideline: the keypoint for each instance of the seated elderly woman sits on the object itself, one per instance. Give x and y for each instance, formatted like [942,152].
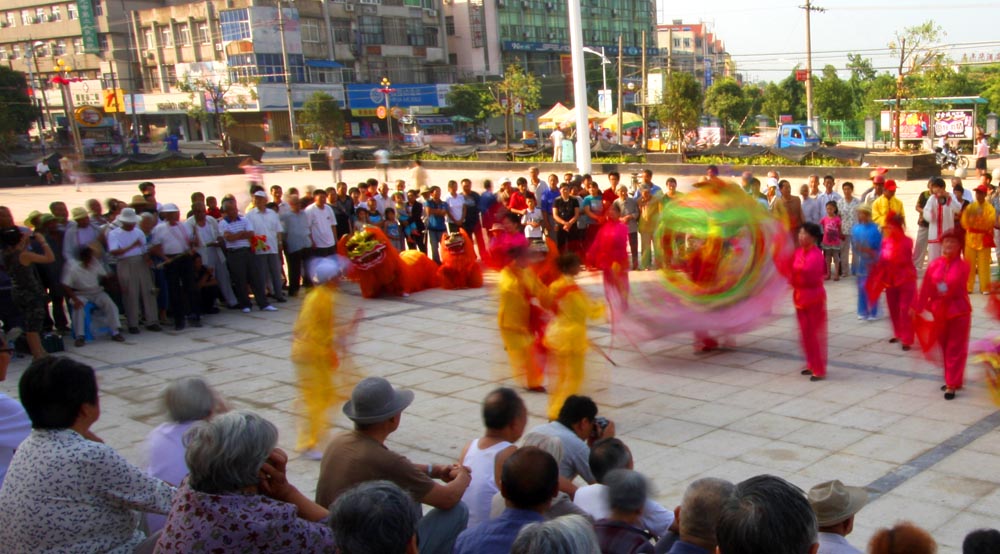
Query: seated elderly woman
[65,491]
[237,494]
[188,401]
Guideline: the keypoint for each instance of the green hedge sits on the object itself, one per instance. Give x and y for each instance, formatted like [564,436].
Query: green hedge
[159,166]
[811,160]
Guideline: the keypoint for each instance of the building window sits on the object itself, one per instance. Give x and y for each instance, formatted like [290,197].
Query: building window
[166,37]
[370,27]
[449,25]
[395,31]
[40,15]
[687,43]
[235,24]
[98,8]
[78,45]
[27,18]
[204,36]
[431,37]
[16,52]
[376,69]
[170,74]
[148,39]
[56,14]
[310,31]
[414,32]
[102,43]
[71,12]
[677,43]
[342,31]
[59,48]
[324,75]
[184,34]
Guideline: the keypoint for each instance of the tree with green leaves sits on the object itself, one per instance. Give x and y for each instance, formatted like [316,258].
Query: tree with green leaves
[469,101]
[775,101]
[18,112]
[916,49]
[680,108]
[725,100]
[833,97]
[321,119]
[208,96]
[517,88]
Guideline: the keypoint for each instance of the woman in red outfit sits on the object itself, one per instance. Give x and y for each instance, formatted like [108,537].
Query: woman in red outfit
[943,294]
[808,272]
[895,273]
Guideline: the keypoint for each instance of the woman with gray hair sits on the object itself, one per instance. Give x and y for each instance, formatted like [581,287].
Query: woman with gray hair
[188,401]
[237,494]
[572,534]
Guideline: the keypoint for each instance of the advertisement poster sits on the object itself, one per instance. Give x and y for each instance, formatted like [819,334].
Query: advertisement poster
[912,125]
[954,124]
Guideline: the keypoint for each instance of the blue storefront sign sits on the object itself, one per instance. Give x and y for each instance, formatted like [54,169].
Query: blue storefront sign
[360,97]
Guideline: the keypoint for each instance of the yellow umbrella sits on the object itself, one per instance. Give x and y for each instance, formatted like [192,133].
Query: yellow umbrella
[569,119]
[629,121]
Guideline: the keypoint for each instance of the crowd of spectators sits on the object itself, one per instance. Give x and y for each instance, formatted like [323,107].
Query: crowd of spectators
[219,483]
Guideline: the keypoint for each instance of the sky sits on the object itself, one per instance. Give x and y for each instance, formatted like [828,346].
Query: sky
[768,38]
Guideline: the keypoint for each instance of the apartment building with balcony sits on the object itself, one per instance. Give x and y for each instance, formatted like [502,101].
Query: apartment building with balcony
[693,48]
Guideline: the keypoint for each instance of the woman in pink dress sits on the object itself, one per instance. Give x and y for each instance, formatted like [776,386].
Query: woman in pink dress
[808,273]
[943,294]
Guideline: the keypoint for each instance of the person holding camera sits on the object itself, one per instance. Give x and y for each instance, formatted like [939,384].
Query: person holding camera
[28,292]
[577,428]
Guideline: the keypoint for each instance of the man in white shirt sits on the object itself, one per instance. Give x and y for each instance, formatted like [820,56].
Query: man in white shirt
[335,158]
[557,139]
[44,173]
[210,247]
[127,243]
[322,225]
[80,232]
[266,245]
[279,205]
[236,233]
[456,207]
[607,455]
[835,505]
[81,279]
[176,243]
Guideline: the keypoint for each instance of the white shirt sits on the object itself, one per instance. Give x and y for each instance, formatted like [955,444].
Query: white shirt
[830,543]
[176,239]
[940,218]
[42,168]
[534,216]
[14,428]
[207,234]
[594,500]
[982,149]
[321,224]
[65,493]
[556,137]
[381,156]
[483,486]
[76,237]
[239,225]
[119,238]
[456,204]
[266,224]
[84,280]
[165,447]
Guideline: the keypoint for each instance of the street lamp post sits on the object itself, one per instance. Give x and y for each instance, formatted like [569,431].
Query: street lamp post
[386,90]
[45,100]
[604,79]
[288,77]
[63,80]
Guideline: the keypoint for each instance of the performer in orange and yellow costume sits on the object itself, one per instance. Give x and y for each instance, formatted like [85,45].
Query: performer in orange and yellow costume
[519,320]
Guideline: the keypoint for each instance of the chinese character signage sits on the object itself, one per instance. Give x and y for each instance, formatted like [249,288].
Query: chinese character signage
[476,23]
[88,26]
[954,124]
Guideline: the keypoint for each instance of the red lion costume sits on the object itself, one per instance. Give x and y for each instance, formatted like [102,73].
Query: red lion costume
[380,269]
[459,268]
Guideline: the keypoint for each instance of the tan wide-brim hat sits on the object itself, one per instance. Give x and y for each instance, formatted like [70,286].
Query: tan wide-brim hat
[834,502]
[78,213]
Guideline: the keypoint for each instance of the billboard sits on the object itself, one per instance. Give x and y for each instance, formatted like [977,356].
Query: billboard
[912,125]
[954,124]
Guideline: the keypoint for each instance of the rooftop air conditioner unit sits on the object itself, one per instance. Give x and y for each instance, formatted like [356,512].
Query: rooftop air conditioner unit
[349,7]
[432,12]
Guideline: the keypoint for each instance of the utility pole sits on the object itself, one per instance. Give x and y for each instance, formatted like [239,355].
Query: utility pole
[288,76]
[620,89]
[809,8]
[133,65]
[644,93]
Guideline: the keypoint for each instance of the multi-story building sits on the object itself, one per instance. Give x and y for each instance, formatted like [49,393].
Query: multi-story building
[486,36]
[693,48]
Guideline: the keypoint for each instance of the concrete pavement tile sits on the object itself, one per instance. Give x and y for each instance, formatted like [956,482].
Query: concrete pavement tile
[893,402]
[809,409]
[768,425]
[671,432]
[947,490]
[753,398]
[715,414]
[955,411]
[680,465]
[738,470]
[449,384]
[921,428]
[852,470]
[825,435]
[784,457]
[971,464]
[413,377]
[706,391]
[619,396]
[951,534]
[725,443]
[988,504]
[863,418]
[892,508]
[889,448]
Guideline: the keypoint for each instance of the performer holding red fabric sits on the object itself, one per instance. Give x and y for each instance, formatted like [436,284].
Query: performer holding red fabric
[807,276]
[943,294]
[895,273]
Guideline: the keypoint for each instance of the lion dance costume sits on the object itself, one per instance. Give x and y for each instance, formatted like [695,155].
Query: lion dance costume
[520,322]
[381,270]
[459,268]
[566,337]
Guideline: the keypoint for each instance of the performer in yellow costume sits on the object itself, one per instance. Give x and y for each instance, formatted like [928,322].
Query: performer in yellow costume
[566,335]
[314,353]
[978,220]
[520,328]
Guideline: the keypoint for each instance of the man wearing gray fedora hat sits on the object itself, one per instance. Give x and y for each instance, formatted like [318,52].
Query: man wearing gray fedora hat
[835,505]
[357,456]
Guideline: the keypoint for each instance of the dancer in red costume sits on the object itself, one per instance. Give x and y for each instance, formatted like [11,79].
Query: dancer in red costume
[807,277]
[609,254]
[895,273]
[942,293]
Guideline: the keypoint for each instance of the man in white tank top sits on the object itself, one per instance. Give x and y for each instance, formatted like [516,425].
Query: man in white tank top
[505,417]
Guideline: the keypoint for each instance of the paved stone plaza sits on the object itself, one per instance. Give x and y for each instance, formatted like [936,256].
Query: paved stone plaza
[878,420]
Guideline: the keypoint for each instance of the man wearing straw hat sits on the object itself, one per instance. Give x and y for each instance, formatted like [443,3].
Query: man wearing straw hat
[127,243]
[79,232]
[835,505]
[176,243]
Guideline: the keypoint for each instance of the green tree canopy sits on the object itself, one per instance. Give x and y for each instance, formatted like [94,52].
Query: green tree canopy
[517,88]
[469,100]
[725,100]
[681,106]
[321,119]
[833,96]
[18,111]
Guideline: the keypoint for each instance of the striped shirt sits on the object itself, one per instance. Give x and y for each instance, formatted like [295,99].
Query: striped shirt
[238,225]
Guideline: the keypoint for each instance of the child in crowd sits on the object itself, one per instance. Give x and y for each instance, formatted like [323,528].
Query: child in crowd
[532,221]
[212,207]
[393,229]
[867,241]
[832,238]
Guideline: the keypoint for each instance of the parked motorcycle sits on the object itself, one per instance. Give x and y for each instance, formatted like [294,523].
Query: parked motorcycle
[948,158]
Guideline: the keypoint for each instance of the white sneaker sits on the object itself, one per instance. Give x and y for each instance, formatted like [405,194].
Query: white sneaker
[245,310]
[269,308]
